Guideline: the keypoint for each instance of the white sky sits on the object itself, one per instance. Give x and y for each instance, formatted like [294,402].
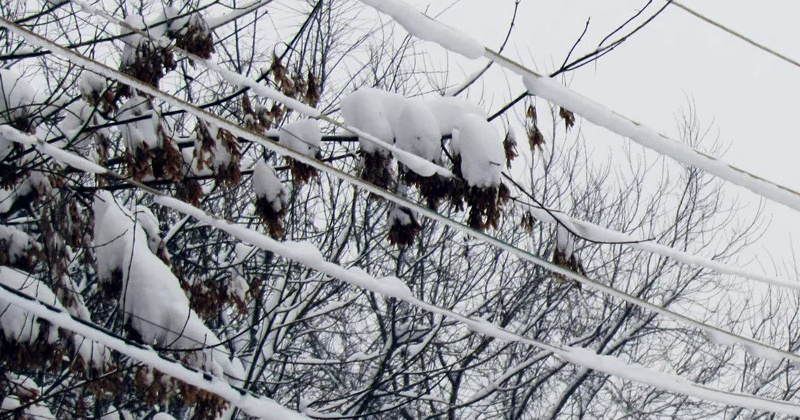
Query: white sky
[749,95]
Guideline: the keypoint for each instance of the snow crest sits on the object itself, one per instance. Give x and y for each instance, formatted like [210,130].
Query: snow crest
[481,151]
[302,136]
[423,27]
[267,185]
[155,305]
[416,126]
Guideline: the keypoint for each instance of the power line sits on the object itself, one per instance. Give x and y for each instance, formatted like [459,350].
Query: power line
[744,38]
[368,282]
[655,248]
[252,405]
[452,39]
[267,408]
[270,244]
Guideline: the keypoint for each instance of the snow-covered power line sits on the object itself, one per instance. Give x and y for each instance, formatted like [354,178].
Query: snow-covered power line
[739,35]
[596,233]
[260,407]
[395,288]
[423,165]
[308,255]
[759,348]
[428,28]
[420,165]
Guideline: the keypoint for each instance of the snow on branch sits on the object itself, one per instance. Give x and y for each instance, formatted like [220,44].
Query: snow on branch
[18,326]
[260,407]
[308,255]
[390,288]
[155,305]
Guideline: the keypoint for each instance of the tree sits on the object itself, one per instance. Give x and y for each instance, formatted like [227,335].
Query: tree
[105,250]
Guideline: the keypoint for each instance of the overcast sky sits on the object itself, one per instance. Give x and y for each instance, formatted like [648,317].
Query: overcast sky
[749,96]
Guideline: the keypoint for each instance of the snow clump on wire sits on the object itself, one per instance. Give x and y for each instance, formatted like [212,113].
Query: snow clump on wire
[481,151]
[302,136]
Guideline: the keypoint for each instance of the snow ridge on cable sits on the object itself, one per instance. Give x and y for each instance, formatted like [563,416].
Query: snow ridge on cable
[388,287]
[424,27]
[260,407]
[596,233]
[558,94]
[771,352]
[308,255]
[417,24]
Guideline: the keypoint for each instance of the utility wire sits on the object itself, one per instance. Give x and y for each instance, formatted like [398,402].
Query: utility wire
[253,405]
[739,35]
[721,268]
[264,242]
[594,112]
[269,244]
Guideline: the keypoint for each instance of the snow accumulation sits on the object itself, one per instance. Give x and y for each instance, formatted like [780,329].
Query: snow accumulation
[25,388]
[402,215]
[76,116]
[602,116]
[365,109]
[15,96]
[253,406]
[155,305]
[20,326]
[259,89]
[564,242]
[35,181]
[175,23]
[6,147]
[17,324]
[448,110]
[91,83]
[142,132]
[423,27]
[267,185]
[415,125]
[12,135]
[145,217]
[417,131]
[302,136]
[133,39]
[16,243]
[481,151]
